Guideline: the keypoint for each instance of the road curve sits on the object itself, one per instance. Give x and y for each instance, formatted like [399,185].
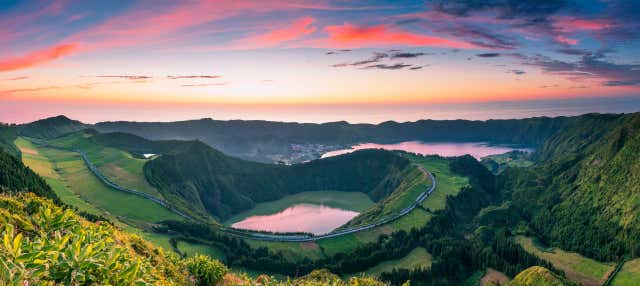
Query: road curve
[267,236]
[307,238]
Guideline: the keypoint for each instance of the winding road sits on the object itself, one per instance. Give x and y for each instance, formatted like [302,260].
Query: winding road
[266,236]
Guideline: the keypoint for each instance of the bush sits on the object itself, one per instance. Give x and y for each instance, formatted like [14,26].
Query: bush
[207,271]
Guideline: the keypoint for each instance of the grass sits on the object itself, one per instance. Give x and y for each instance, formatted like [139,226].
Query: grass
[40,164]
[118,165]
[78,187]
[629,275]
[415,219]
[292,251]
[417,258]
[576,267]
[448,183]
[354,201]
[191,249]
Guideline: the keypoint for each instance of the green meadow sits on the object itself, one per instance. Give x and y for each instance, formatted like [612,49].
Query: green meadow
[629,274]
[78,187]
[417,258]
[576,267]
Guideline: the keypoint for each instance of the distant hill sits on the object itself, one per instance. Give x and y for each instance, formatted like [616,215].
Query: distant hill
[264,140]
[196,175]
[50,127]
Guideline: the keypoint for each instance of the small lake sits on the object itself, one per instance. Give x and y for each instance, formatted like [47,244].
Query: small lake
[477,150]
[316,219]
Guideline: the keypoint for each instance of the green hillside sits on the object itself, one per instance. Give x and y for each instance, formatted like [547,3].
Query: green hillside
[15,176]
[589,175]
[196,175]
[50,127]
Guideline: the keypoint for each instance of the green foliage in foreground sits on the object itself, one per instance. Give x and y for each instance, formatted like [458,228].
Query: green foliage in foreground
[44,244]
[206,271]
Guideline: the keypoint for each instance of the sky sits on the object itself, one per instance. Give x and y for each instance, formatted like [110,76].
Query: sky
[170,60]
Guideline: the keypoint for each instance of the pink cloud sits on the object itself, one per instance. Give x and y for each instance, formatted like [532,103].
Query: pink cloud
[38,57]
[353,36]
[299,28]
[571,24]
[147,26]
[565,40]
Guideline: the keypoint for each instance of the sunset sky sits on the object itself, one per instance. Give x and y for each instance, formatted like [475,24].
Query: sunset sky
[83,57]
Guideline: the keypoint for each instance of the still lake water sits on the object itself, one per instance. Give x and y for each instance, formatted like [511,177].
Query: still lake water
[320,219]
[477,150]
[315,219]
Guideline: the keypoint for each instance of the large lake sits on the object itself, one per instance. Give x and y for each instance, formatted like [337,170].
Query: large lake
[316,219]
[477,150]
[320,219]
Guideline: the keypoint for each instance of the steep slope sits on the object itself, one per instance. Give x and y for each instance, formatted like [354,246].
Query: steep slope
[585,194]
[8,134]
[50,127]
[15,176]
[199,176]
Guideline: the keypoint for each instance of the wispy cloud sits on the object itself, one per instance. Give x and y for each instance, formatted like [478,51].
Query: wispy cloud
[389,67]
[193,76]
[358,36]
[35,89]
[17,78]
[130,77]
[488,55]
[38,57]
[405,55]
[288,32]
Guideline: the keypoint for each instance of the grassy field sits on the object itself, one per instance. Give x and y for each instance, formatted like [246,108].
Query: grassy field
[292,251]
[354,201]
[118,165]
[629,275]
[78,187]
[40,164]
[419,257]
[449,184]
[191,249]
[576,267]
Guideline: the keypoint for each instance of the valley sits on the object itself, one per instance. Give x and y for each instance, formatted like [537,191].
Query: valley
[406,210]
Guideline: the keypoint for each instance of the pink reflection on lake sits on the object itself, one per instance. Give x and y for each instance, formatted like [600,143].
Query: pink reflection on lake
[477,150]
[315,219]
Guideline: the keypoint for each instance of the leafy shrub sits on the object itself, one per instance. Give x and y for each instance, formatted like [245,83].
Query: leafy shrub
[207,271]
